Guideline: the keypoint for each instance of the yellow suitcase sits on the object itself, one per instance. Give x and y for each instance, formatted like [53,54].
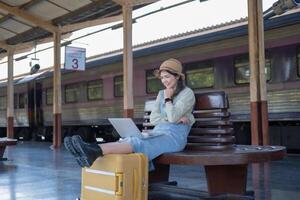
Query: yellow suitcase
[116,177]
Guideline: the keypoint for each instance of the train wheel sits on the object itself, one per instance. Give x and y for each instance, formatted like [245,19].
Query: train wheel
[2,132]
[49,134]
[107,134]
[23,134]
[38,134]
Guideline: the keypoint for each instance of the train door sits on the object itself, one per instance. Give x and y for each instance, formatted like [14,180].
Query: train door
[30,98]
[35,114]
[35,104]
[38,111]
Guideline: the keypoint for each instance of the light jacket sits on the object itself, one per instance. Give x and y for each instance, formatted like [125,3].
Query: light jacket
[183,105]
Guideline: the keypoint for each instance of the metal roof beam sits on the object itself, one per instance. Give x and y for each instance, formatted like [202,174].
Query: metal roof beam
[5,46]
[141,2]
[29,17]
[119,2]
[5,17]
[134,2]
[30,3]
[27,46]
[81,25]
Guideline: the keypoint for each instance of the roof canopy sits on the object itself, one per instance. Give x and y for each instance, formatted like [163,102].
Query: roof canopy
[23,23]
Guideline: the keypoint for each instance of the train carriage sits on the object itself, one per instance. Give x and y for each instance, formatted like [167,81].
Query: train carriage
[214,58]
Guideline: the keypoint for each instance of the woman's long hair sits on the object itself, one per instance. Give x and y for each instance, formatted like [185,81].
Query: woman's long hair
[180,83]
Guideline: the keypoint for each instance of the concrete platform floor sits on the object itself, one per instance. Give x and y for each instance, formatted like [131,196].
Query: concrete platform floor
[34,171]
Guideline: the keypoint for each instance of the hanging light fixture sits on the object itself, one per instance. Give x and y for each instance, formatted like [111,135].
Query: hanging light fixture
[34,63]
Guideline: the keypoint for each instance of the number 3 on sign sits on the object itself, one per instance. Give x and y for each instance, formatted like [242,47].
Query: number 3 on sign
[75,63]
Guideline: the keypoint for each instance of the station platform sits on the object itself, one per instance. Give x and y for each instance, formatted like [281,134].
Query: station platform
[34,171]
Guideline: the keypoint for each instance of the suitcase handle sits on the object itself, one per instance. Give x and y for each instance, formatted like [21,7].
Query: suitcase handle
[119,184]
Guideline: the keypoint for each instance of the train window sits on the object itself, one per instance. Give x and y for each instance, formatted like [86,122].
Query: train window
[72,92]
[95,90]
[268,68]
[153,84]
[22,100]
[242,70]
[118,86]
[200,78]
[49,96]
[2,102]
[298,60]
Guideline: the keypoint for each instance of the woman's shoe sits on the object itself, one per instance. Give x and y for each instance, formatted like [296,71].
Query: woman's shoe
[81,162]
[88,152]
[69,146]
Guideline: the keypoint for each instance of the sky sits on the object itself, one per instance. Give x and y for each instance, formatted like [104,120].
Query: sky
[187,17]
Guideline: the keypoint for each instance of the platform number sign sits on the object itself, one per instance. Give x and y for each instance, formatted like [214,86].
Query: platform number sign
[75,58]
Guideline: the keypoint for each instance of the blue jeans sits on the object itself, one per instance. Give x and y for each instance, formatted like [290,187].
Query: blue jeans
[173,139]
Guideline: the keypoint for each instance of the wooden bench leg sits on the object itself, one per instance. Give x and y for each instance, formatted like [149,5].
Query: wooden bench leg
[224,179]
[160,174]
[2,149]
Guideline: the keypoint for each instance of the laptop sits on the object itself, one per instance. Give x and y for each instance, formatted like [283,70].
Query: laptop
[127,128]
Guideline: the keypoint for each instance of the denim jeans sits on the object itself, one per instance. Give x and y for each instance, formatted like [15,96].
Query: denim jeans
[173,138]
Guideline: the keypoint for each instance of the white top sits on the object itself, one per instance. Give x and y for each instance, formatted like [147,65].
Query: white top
[183,105]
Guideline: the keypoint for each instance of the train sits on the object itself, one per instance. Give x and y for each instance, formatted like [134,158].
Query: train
[215,58]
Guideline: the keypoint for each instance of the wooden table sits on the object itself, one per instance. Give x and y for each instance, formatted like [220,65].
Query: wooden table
[3,143]
[226,171]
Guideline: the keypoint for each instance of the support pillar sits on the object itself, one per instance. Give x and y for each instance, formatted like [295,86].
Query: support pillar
[258,89]
[10,94]
[127,61]
[57,92]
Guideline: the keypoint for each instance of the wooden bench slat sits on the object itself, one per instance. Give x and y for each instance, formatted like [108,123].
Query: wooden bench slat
[7,141]
[208,147]
[207,139]
[237,155]
[211,100]
[211,114]
[212,123]
[214,131]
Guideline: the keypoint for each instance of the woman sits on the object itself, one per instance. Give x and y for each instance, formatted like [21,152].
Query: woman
[171,115]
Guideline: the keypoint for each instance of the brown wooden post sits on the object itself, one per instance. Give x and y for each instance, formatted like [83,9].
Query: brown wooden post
[57,92]
[10,94]
[222,179]
[258,90]
[127,61]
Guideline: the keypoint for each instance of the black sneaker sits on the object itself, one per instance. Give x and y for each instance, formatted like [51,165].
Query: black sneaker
[69,146]
[82,162]
[88,152]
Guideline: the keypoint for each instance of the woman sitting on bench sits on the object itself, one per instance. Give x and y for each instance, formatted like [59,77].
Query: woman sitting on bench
[172,116]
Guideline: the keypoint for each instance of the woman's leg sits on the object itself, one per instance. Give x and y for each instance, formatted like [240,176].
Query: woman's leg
[116,147]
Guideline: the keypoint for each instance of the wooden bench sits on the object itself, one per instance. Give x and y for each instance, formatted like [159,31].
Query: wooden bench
[213,129]
[3,143]
[210,144]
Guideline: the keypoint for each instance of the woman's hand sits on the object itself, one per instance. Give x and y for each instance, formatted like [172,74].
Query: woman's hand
[183,120]
[169,92]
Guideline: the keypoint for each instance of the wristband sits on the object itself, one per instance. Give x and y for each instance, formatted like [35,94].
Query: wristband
[168,100]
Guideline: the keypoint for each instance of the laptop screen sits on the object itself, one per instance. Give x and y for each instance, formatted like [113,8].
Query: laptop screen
[125,127]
